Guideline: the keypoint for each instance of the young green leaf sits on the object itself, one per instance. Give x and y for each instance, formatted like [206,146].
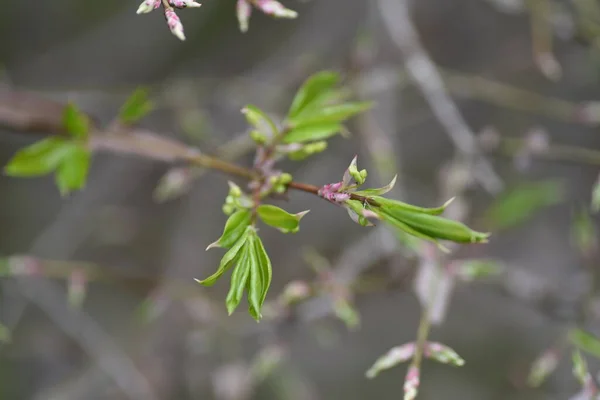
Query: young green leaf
[76,123]
[398,205]
[580,369]
[72,172]
[260,120]
[40,158]
[312,132]
[228,260]
[381,190]
[585,341]
[239,279]
[234,229]
[279,218]
[136,107]
[312,88]
[260,279]
[337,113]
[429,227]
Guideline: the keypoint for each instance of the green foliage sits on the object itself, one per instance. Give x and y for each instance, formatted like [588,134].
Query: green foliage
[76,123]
[585,341]
[252,272]
[520,203]
[260,121]
[70,160]
[235,227]
[580,369]
[279,218]
[137,106]
[313,92]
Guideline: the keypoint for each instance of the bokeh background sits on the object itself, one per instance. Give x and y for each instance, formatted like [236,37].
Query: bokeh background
[518,78]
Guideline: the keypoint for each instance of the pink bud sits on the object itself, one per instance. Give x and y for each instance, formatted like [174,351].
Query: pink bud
[244,10]
[184,3]
[275,9]
[174,24]
[411,383]
[147,6]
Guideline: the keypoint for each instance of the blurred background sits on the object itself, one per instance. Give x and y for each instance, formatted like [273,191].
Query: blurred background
[491,101]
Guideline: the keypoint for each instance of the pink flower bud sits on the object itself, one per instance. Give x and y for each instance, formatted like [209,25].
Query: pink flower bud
[244,10]
[411,383]
[175,24]
[147,6]
[275,8]
[184,3]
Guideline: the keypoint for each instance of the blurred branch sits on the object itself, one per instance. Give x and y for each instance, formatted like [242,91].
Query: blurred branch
[395,16]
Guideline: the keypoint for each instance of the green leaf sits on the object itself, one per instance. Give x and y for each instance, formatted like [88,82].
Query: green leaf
[260,281]
[382,190]
[309,92]
[260,120]
[72,172]
[279,218]
[239,279]
[5,335]
[312,132]
[430,227]
[40,158]
[76,123]
[585,341]
[136,107]
[234,229]
[337,113]
[520,204]
[580,369]
[228,260]
[393,205]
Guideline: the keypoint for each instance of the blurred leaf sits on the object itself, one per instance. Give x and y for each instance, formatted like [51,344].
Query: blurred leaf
[260,120]
[5,335]
[279,218]
[519,204]
[585,341]
[542,367]
[72,172]
[583,232]
[345,312]
[235,227]
[228,260]
[76,123]
[137,106]
[470,270]
[337,113]
[312,132]
[580,369]
[312,89]
[40,158]
[393,357]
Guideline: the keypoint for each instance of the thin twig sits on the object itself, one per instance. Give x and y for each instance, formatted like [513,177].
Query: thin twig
[395,15]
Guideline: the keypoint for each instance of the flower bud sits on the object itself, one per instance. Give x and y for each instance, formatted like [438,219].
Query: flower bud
[175,24]
[184,3]
[244,10]
[228,209]
[258,137]
[285,178]
[147,6]
[275,8]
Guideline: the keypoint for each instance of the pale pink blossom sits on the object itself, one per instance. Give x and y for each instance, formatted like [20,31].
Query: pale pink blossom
[148,5]
[175,24]
[244,10]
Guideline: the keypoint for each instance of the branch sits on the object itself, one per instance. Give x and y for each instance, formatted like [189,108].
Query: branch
[422,70]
